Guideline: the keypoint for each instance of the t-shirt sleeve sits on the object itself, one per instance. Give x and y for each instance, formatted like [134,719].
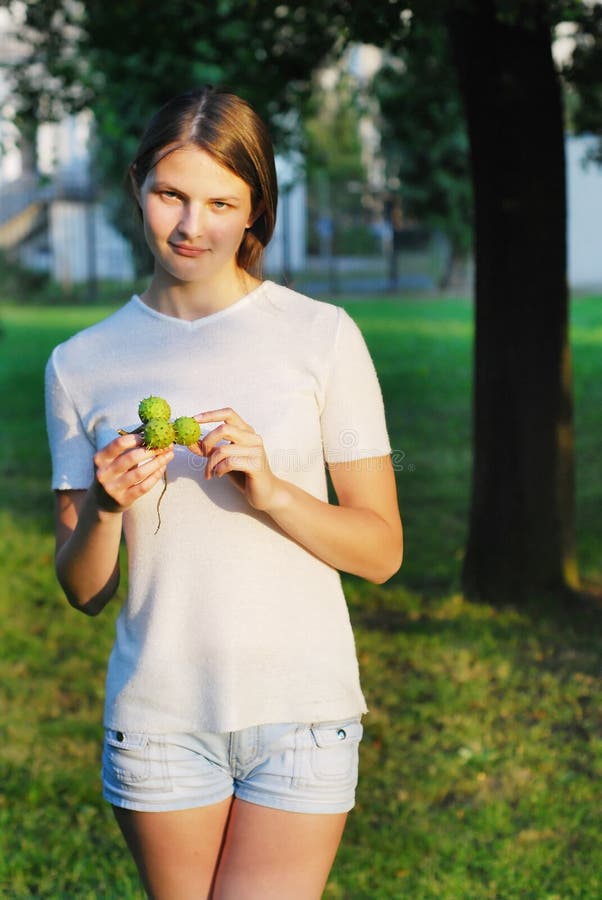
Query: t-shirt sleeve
[353,415]
[71,450]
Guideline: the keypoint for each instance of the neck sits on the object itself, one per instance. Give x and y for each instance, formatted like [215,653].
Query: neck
[193,300]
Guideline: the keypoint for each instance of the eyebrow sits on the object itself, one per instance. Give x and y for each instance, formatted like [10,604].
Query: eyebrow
[169,186]
[165,186]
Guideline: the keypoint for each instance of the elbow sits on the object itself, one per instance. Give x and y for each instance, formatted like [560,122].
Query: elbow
[383,577]
[390,557]
[386,572]
[89,605]
[389,565]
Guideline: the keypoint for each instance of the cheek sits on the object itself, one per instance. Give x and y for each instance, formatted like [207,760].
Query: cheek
[228,232]
[158,221]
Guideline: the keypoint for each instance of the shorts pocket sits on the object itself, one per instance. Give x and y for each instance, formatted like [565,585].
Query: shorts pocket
[335,748]
[127,755]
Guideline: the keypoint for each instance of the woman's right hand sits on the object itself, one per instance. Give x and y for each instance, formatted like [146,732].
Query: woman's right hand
[125,470]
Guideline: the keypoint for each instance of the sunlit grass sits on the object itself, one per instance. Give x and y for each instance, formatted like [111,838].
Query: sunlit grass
[483,749]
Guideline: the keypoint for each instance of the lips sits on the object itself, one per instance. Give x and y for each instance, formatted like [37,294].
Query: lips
[188,250]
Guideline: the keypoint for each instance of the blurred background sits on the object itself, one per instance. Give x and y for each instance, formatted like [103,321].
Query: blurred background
[425,152]
[373,156]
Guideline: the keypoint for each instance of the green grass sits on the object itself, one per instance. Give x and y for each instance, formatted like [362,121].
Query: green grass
[482,757]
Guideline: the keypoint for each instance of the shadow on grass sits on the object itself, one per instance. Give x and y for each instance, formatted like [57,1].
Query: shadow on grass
[452,619]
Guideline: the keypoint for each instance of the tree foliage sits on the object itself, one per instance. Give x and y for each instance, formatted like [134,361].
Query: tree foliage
[335,167]
[126,58]
[583,75]
[332,130]
[424,134]
[129,56]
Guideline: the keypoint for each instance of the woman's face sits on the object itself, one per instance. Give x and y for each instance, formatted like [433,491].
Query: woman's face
[195,213]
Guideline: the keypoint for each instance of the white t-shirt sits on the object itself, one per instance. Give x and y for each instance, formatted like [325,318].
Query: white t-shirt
[228,622]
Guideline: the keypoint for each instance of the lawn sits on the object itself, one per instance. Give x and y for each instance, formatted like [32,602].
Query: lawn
[482,756]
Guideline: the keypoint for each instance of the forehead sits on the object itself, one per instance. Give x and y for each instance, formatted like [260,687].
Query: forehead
[195,167]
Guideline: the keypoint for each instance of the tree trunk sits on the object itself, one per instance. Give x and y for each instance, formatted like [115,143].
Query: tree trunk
[521,529]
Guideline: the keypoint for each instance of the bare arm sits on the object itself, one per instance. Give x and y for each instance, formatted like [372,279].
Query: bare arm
[362,534]
[89,523]
[87,550]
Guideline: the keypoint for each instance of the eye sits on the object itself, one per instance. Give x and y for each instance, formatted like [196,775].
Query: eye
[220,204]
[170,195]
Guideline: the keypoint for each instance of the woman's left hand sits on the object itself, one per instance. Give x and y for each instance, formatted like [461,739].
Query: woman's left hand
[236,450]
[361,533]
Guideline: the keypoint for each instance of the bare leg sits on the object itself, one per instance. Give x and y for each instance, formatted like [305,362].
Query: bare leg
[269,854]
[176,852]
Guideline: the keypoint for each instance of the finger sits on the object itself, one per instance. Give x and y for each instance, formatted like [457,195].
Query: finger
[196,449]
[152,460]
[226,414]
[124,487]
[144,476]
[129,459]
[140,488]
[115,448]
[231,433]
[232,457]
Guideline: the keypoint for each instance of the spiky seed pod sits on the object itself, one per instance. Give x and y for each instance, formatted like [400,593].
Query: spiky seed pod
[187,430]
[158,434]
[154,408]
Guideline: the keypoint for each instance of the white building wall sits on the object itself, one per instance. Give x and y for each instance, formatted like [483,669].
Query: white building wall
[86,246]
[584,204]
[10,155]
[287,249]
[62,148]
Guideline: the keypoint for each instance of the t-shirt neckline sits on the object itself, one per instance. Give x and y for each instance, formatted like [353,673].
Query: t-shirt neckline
[201,321]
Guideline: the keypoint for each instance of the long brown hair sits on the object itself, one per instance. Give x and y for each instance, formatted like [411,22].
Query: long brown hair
[227,127]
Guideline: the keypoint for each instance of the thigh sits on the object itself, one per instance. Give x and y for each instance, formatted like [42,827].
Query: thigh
[269,854]
[177,851]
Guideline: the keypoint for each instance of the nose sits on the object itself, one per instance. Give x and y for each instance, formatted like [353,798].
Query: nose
[191,224]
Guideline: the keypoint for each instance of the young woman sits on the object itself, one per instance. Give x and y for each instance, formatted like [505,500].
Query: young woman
[233,703]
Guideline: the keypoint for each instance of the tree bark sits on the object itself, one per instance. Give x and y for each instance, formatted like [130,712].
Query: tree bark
[521,526]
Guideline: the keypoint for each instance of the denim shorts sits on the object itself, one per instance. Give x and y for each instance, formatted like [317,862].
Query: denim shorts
[310,768]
